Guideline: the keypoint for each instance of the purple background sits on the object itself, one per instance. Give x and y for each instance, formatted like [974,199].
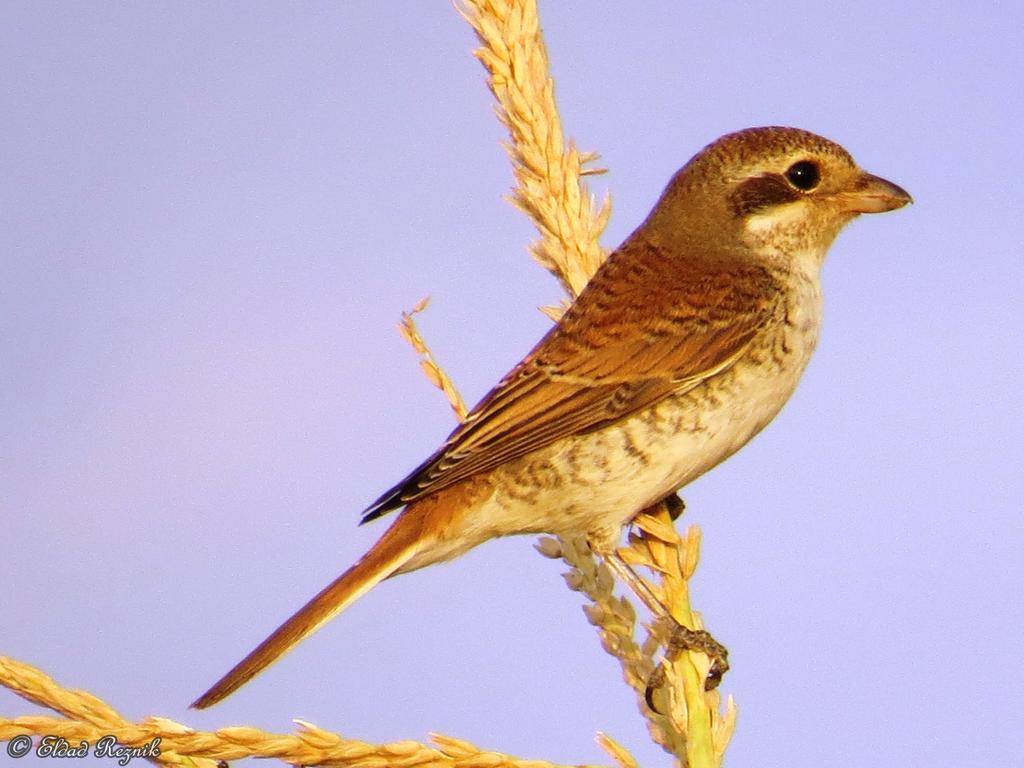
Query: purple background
[211,218]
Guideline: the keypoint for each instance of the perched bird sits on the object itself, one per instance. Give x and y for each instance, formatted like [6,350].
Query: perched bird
[684,345]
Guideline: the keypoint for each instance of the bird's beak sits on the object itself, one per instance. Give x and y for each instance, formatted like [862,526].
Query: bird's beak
[872,194]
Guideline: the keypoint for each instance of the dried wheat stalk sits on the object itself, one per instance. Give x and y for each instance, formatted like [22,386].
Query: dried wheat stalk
[86,718]
[550,190]
[548,187]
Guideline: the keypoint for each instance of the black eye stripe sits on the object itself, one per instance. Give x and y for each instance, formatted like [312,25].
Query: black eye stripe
[762,192]
[804,175]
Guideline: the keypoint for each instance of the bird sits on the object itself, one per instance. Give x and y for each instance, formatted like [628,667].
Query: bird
[684,344]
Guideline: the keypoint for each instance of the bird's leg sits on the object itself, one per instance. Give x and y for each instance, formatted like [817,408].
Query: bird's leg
[681,638]
[635,582]
[685,639]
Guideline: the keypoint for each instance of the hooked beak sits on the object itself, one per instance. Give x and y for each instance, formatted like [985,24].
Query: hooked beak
[873,194]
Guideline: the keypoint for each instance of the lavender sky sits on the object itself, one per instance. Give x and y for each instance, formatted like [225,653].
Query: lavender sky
[212,216]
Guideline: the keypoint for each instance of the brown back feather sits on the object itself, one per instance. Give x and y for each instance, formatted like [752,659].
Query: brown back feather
[648,325]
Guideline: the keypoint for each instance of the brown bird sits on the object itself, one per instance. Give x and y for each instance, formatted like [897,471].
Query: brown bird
[684,345]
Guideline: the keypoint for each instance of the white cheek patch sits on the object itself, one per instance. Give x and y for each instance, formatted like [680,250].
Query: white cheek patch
[785,232]
[776,219]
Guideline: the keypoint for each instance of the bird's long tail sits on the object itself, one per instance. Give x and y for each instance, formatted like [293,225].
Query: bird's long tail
[394,549]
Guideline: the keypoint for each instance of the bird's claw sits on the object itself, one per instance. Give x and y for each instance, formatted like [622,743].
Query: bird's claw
[686,639]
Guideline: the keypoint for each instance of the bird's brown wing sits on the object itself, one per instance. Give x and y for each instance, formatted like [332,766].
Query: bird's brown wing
[642,329]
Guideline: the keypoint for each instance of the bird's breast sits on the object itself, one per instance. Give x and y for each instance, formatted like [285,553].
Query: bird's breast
[594,483]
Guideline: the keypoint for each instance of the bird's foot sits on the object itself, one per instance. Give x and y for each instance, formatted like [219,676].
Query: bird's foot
[686,639]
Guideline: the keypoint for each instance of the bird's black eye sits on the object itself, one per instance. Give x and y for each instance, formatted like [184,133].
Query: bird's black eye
[804,175]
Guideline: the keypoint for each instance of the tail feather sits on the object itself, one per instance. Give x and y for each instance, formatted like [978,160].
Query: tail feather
[390,553]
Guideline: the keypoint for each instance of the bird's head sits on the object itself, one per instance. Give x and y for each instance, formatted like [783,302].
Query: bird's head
[779,192]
